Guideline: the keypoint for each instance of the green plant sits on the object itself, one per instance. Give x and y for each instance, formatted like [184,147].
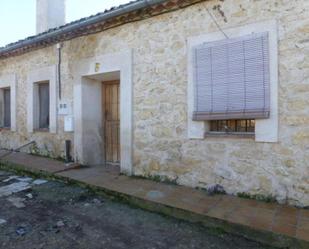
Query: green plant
[258,197]
[158,178]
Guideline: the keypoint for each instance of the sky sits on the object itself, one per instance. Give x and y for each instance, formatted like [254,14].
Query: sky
[17,17]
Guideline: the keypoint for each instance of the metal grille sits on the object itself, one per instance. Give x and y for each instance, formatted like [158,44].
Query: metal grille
[241,126]
[232,79]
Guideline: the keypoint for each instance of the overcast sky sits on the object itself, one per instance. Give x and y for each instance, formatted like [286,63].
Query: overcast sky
[17,17]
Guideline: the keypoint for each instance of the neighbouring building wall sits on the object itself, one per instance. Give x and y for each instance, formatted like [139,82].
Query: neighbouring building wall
[161,145]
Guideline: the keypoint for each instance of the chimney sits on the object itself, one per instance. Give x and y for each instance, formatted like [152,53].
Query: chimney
[49,14]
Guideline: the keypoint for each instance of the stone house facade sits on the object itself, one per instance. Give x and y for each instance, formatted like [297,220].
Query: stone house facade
[149,48]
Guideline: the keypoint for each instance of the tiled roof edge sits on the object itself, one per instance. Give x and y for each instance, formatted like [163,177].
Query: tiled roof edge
[116,16]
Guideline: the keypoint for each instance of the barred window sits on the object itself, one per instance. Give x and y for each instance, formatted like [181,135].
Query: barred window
[233,126]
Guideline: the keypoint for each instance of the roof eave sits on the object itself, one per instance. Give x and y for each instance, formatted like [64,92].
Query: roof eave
[96,24]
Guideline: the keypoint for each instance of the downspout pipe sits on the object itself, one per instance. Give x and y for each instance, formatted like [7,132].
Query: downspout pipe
[82,23]
[59,46]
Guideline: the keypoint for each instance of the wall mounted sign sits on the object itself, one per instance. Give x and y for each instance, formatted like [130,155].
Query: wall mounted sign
[97,67]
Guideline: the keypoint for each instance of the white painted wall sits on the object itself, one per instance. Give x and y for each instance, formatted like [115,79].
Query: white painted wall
[86,135]
[49,14]
[91,109]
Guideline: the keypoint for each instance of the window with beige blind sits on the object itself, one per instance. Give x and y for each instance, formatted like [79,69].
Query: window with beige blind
[232,83]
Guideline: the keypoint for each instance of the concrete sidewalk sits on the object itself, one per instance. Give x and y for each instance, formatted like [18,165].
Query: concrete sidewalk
[271,223]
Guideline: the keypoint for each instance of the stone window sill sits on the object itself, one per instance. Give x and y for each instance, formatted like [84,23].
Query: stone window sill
[5,128]
[248,135]
[45,130]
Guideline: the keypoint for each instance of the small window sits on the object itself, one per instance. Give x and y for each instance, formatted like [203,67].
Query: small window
[233,126]
[7,107]
[43,105]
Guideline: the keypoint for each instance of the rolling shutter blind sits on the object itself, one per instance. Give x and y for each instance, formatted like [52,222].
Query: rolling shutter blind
[232,79]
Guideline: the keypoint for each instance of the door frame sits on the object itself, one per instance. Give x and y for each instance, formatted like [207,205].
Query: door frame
[88,74]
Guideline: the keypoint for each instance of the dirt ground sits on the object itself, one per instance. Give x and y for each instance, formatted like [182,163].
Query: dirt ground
[53,215]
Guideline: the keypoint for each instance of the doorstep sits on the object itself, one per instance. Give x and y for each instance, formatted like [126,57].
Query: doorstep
[270,223]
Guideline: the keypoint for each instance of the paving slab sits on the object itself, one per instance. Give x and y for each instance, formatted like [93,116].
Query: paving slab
[68,216]
[34,162]
[277,225]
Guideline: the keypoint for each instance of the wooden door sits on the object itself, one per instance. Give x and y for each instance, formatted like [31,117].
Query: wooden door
[111,107]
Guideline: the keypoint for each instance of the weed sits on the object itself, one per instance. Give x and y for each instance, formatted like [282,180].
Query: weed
[258,197]
[157,178]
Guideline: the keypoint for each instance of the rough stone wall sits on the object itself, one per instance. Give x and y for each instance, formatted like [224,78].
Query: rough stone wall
[161,146]
[47,144]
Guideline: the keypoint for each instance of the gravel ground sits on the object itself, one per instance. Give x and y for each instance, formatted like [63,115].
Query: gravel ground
[54,215]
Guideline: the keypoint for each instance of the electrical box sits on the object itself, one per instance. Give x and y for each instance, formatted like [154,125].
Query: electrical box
[68,124]
[64,108]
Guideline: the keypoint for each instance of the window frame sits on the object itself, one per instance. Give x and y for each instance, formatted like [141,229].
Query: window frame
[35,77]
[9,81]
[266,129]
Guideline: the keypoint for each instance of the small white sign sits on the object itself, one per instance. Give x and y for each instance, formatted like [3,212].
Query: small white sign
[64,108]
[68,124]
